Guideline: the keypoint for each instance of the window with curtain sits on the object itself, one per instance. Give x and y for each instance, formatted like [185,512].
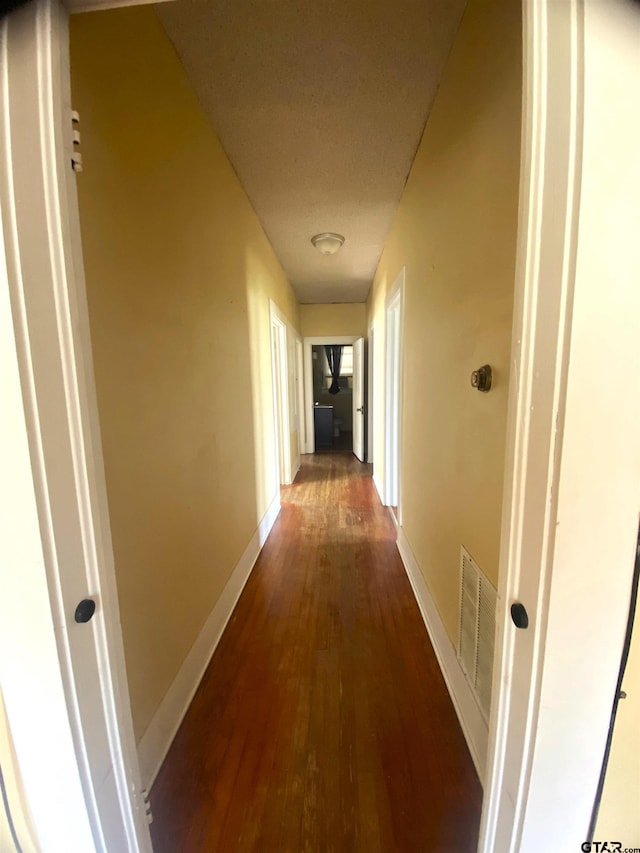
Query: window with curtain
[346,368]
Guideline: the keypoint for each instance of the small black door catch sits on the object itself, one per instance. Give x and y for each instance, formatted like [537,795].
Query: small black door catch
[85,610]
[519,615]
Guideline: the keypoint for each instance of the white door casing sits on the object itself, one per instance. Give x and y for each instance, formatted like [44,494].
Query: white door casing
[393,395]
[551,31]
[280,377]
[301,421]
[308,344]
[48,306]
[538,384]
[572,475]
[359,411]
[370,394]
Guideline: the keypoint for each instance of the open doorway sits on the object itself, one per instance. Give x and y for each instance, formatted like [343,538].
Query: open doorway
[333,397]
[347,404]
[280,395]
[299,397]
[393,394]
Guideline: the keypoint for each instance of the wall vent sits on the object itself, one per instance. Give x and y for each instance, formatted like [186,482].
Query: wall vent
[477,629]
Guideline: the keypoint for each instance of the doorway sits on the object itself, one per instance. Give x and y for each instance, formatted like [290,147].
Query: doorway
[280,375]
[319,343]
[56,536]
[527,323]
[299,397]
[369,385]
[332,398]
[392,398]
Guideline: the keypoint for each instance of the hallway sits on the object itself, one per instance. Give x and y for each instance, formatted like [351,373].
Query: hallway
[323,721]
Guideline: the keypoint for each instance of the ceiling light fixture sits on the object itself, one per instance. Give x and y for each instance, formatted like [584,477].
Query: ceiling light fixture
[328,243]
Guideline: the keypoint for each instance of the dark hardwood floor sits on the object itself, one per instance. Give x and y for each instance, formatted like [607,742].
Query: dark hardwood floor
[323,722]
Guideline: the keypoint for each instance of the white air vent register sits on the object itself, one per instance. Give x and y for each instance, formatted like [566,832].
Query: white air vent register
[476,629]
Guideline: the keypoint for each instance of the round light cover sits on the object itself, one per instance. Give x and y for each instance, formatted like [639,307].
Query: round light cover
[327,243]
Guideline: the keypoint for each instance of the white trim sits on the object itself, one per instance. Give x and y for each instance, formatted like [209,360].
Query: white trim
[370,393]
[46,278]
[359,396]
[379,487]
[74,6]
[571,502]
[393,398]
[31,680]
[592,563]
[309,343]
[162,729]
[466,707]
[331,340]
[301,423]
[549,187]
[90,480]
[279,329]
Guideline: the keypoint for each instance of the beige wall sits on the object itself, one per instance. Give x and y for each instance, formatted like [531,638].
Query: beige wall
[455,232]
[619,816]
[179,277]
[338,319]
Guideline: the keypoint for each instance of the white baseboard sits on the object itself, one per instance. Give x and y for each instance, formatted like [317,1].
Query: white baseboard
[378,485]
[162,729]
[471,720]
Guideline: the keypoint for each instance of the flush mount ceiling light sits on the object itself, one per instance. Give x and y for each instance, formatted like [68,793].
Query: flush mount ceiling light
[328,243]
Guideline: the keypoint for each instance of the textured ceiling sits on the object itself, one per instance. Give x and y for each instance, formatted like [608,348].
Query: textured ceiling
[320,107]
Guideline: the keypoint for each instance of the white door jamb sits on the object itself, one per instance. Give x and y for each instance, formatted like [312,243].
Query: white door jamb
[45,278]
[309,343]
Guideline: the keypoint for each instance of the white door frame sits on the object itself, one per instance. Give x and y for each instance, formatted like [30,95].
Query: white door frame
[87,722]
[538,372]
[370,394]
[572,469]
[541,443]
[280,378]
[299,378]
[309,343]
[393,396]
[359,395]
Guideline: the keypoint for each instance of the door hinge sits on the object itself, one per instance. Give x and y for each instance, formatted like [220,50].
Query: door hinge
[76,157]
[147,805]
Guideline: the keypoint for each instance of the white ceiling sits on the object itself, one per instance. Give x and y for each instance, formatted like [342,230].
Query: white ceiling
[320,105]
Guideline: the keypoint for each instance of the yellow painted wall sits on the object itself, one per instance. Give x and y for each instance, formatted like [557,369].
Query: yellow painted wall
[619,815]
[347,318]
[455,232]
[179,277]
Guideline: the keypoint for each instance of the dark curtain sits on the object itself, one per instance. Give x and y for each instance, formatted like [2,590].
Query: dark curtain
[334,357]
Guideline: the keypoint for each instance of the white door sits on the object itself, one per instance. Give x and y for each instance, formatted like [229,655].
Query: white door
[358,398]
[45,279]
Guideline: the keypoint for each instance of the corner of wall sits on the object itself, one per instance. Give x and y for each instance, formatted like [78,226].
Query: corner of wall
[469,715]
[162,729]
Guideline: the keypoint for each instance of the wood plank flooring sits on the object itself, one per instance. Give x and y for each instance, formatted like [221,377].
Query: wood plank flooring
[341,444]
[322,723]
